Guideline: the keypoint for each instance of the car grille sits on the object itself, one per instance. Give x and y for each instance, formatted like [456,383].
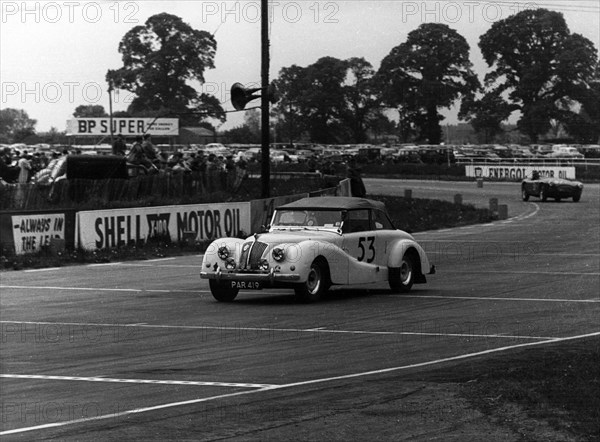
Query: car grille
[251,256]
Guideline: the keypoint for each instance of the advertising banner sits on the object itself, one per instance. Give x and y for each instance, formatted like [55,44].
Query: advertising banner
[102,229]
[517,172]
[32,232]
[126,126]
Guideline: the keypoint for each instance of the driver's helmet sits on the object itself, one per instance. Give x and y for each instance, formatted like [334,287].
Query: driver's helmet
[535,175]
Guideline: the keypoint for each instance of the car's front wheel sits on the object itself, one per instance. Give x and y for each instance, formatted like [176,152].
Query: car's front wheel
[576,198]
[221,291]
[524,194]
[401,278]
[317,283]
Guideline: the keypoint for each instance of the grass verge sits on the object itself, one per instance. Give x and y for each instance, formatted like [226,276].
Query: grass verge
[557,384]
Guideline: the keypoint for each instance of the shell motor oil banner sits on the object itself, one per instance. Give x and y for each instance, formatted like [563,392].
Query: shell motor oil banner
[101,229]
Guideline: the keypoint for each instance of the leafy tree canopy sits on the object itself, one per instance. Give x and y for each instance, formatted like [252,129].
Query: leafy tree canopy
[431,70]
[90,111]
[15,125]
[486,114]
[333,100]
[160,59]
[542,68]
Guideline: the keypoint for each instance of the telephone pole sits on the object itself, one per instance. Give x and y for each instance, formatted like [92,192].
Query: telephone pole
[264,103]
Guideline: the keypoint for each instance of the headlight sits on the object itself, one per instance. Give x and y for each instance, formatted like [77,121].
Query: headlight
[230,264]
[223,252]
[278,254]
[263,265]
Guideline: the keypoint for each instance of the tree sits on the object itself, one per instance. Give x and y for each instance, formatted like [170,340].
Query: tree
[291,86]
[540,66]
[15,125]
[430,71]
[362,102]
[90,111]
[160,59]
[333,100]
[486,114]
[584,126]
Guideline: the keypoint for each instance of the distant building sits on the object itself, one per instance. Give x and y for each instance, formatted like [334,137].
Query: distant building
[197,135]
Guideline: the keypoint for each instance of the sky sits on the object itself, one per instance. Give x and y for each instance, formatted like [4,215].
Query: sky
[54,55]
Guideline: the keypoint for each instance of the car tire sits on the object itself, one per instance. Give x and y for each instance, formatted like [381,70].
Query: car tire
[401,278]
[524,194]
[576,198]
[543,194]
[317,283]
[221,292]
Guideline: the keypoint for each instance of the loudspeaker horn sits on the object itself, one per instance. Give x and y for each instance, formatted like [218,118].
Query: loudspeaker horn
[240,96]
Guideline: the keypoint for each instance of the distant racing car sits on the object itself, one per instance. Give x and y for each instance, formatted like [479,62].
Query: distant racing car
[314,243]
[548,187]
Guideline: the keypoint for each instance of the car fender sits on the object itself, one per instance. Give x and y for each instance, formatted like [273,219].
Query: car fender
[211,257]
[308,251]
[399,248]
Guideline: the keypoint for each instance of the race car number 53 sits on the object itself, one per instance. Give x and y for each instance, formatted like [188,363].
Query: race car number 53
[368,241]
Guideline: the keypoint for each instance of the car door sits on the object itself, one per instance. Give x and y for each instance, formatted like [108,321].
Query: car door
[361,244]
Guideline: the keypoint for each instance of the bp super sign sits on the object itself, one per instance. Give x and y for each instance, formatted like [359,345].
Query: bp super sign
[125,126]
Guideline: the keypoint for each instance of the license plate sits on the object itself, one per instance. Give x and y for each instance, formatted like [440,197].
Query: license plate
[252,285]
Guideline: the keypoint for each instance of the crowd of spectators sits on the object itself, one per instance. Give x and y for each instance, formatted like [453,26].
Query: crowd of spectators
[20,166]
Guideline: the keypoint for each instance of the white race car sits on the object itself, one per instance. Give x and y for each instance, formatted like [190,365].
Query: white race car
[314,243]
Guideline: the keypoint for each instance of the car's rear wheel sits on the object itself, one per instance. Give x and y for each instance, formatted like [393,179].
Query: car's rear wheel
[543,194]
[401,278]
[524,194]
[317,283]
[221,291]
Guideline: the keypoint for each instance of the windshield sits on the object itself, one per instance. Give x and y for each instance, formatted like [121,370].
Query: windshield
[326,219]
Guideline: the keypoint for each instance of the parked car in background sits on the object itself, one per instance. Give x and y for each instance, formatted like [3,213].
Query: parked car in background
[314,243]
[561,151]
[548,187]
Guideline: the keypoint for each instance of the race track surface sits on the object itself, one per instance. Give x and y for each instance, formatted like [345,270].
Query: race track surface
[141,350]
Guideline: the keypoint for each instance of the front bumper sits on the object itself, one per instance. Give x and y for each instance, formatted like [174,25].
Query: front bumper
[267,277]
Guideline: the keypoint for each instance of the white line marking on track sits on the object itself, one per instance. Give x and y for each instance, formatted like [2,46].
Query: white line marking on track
[87,289]
[105,264]
[134,381]
[71,288]
[47,269]
[492,298]
[512,272]
[295,384]
[277,330]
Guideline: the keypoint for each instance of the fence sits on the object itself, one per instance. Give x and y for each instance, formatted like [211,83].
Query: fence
[74,192]
[591,162]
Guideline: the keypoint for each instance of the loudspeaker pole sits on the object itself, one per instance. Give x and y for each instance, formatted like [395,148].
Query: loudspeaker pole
[264,101]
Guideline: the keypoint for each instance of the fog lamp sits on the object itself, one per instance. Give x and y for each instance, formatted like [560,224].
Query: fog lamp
[263,265]
[230,264]
[223,252]
[278,254]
